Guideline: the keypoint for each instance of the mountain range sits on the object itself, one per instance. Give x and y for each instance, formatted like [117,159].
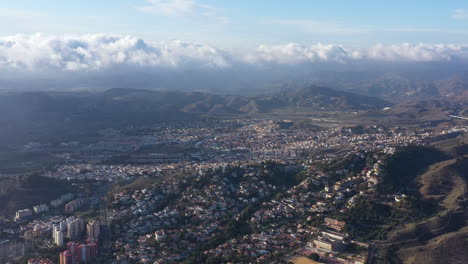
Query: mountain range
[28,116]
[399,86]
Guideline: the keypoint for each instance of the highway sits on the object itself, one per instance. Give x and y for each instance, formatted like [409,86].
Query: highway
[459,117]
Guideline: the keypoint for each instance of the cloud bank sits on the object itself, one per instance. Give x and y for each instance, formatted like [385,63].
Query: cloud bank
[83,53]
[295,53]
[97,52]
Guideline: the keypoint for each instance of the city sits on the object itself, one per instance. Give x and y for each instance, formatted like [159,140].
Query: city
[240,191]
[233,132]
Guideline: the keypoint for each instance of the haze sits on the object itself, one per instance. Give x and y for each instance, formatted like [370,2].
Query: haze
[52,45]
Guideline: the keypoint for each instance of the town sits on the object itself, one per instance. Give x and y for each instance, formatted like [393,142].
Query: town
[236,191]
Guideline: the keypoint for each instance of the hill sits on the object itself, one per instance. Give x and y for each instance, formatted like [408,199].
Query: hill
[53,116]
[421,110]
[27,191]
[403,168]
[442,236]
[399,86]
[323,98]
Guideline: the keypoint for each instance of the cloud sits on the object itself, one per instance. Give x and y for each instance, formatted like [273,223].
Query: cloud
[418,53]
[183,9]
[294,53]
[461,14]
[99,52]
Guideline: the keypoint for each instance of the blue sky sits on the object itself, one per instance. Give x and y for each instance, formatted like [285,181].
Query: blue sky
[238,24]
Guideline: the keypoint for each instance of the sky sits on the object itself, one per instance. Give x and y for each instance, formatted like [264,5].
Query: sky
[156,36]
[240,24]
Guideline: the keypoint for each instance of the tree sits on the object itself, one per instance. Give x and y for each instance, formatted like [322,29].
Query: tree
[314,257]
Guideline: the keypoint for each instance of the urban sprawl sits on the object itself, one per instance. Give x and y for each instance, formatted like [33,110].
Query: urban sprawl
[237,191]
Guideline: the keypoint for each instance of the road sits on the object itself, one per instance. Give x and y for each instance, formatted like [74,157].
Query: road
[459,117]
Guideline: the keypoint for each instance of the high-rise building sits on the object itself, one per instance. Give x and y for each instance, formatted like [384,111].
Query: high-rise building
[57,236]
[40,208]
[93,247]
[66,257]
[82,225]
[72,246]
[59,239]
[54,229]
[74,228]
[84,253]
[93,229]
[73,205]
[21,214]
[63,226]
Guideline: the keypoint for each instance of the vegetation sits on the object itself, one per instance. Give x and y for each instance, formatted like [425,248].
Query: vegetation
[404,166]
[371,220]
[314,257]
[234,228]
[29,190]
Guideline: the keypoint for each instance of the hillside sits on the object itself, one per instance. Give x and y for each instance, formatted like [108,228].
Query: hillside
[27,191]
[53,116]
[442,237]
[318,97]
[399,86]
[413,111]
[403,168]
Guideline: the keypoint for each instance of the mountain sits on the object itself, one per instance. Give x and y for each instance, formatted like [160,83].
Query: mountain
[33,115]
[397,87]
[395,84]
[312,98]
[318,97]
[55,116]
[443,236]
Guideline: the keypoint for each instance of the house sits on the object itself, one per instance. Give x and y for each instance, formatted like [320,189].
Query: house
[334,224]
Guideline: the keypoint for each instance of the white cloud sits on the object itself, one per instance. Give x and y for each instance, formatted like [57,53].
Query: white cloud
[96,52]
[183,9]
[295,53]
[461,14]
[418,53]
[39,52]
